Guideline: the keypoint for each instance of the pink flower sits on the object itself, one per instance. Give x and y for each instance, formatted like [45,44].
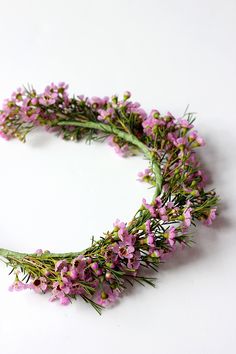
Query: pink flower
[64,300]
[211,216]
[181,142]
[150,124]
[18,286]
[48,99]
[171,235]
[79,267]
[143,176]
[161,209]
[105,114]
[183,123]
[120,150]
[154,252]
[187,215]
[170,205]
[154,113]
[4,136]
[60,265]
[196,139]
[18,95]
[134,262]
[123,233]
[172,138]
[97,101]
[204,178]
[123,250]
[150,239]
[162,214]
[149,207]
[95,267]
[134,107]
[111,256]
[106,295]
[158,202]
[73,273]
[150,235]
[119,224]
[39,285]
[60,290]
[157,209]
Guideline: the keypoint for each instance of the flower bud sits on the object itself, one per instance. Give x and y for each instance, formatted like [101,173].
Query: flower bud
[104,296]
[108,275]
[94,266]
[114,99]
[127,95]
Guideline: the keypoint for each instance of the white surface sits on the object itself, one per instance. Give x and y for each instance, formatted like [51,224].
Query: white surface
[56,195]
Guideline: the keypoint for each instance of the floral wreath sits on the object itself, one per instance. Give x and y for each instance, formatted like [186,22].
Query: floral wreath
[101,272]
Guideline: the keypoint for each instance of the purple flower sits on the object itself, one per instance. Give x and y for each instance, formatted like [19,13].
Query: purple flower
[134,262]
[134,107]
[110,255]
[106,295]
[162,214]
[172,138]
[204,178]
[48,99]
[211,216]
[4,136]
[123,232]
[61,289]
[195,139]
[183,123]
[18,95]
[64,300]
[18,286]
[181,142]
[149,125]
[123,250]
[73,273]
[154,252]
[145,176]
[60,265]
[39,251]
[171,235]
[187,215]
[154,113]
[105,114]
[149,207]
[158,202]
[39,285]
[97,101]
[94,266]
[150,235]
[120,150]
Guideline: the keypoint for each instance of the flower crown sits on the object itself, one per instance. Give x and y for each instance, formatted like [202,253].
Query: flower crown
[101,272]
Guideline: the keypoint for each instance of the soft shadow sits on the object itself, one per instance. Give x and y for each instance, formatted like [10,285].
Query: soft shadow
[38,138]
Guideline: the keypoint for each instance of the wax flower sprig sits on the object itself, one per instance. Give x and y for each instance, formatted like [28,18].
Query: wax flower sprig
[100,273]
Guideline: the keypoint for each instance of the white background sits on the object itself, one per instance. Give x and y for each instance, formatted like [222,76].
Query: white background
[55,194]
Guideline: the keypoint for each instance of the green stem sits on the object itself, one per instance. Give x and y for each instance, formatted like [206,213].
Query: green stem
[9,254]
[130,138]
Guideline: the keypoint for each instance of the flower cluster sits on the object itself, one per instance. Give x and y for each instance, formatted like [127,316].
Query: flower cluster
[100,273]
